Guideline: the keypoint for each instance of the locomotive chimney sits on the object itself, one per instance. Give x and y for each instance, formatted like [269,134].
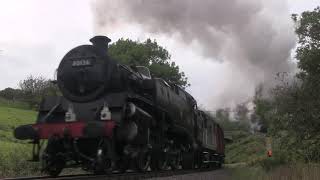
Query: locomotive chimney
[100,42]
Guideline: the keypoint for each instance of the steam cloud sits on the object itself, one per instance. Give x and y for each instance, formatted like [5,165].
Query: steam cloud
[254,37]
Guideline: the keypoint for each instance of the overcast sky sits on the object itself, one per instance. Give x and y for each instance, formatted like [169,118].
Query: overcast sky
[35,34]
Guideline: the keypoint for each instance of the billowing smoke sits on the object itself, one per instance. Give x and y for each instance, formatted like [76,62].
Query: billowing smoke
[253,37]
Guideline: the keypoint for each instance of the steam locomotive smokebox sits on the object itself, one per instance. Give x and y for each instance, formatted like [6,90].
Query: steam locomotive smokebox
[84,72]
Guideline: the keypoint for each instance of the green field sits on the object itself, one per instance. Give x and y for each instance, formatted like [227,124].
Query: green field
[245,148]
[14,153]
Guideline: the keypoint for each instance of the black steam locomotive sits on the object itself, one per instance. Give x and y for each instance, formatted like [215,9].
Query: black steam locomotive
[114,117]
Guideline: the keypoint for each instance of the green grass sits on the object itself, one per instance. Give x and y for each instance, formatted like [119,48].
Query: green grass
[245,148]
[14,153]
[292,172]
[10,118]
[247,173]
[14,117]
[14,160]
[14,104]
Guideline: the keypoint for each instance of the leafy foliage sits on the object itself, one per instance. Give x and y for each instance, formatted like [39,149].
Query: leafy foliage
[151,55]
[240,121]
[31,91]
[292,114]
[245,148]
[295,106]
[263,108]
[11,94]
[308,52]
[34,88]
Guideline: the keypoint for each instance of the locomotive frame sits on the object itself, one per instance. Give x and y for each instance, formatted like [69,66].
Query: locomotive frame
[114,117]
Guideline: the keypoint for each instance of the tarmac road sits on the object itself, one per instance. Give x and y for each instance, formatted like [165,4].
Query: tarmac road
[221,174]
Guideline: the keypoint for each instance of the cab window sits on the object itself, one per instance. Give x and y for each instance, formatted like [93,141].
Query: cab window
[144,71]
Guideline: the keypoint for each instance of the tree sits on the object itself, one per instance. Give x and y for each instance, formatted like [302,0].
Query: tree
[296,114]
[307,95]
[241,115]
[11,94]
[262,109]
[308,52]
[151,55]
[33,85]
[223,117]
[34,88]
[241,112]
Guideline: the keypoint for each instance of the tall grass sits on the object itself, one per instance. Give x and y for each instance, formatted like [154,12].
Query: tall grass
[284,172]
[296,172]
[14,153]
[245,147]
[14,160]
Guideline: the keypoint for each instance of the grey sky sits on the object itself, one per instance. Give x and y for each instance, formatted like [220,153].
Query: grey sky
[35,34]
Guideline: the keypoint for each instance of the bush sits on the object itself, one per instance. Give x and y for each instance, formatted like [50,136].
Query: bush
[245,148]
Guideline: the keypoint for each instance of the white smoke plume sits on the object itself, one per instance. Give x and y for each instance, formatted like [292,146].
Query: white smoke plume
[254,37]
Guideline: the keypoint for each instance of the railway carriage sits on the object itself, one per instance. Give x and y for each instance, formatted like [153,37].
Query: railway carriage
[114,117]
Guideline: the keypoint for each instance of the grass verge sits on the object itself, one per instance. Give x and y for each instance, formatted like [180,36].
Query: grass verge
[14,153]
[284,172]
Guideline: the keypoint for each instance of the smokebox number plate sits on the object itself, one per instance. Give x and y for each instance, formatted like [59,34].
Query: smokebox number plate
[81,62]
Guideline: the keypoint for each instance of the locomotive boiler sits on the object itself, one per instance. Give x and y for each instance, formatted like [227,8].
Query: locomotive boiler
[111,117]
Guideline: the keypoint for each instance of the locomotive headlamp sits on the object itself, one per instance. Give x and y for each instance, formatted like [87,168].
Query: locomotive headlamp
[105,114]
[70,115]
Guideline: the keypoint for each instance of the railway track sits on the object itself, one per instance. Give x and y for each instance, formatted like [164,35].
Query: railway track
[118,176]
